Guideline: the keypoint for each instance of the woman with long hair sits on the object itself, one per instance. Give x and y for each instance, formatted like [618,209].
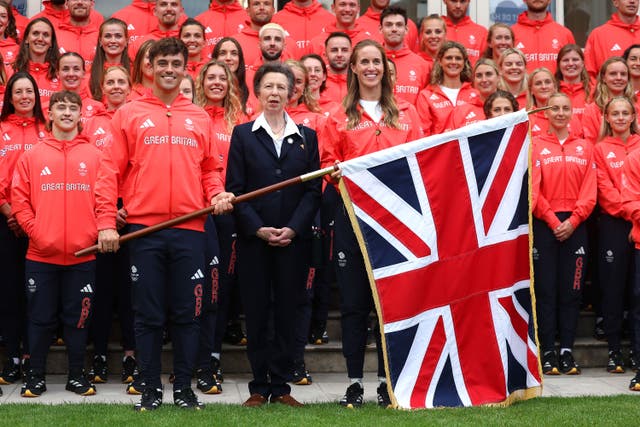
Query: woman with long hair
[192,35]
[303,107]
[612,81]
[499,38]
[618,138]
[23,124]
[38,56]
[9,41]
[450,87]
[71,74]
[513,74]
[632,56]
[369,121]
[229,51]
[485,78]
[141,73]
[563,196]
[112,50]
[573,79]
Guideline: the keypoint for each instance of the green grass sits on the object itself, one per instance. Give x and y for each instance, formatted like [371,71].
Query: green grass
[552,411]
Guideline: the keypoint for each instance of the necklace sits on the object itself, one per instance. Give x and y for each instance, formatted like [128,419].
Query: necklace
[279,130]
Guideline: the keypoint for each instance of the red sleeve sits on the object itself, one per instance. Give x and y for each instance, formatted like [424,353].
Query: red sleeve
[5,179]
[212,167]
[21,196]
[590,58]
[331,144]
[591,123]
[424,112]
[415,131]
[587,196]
[609,196]
[631,188]
[541,206]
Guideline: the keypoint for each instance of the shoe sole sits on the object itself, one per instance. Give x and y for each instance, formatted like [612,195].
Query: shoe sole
[6,382]
[553,371]
[212,390]
[133,391]
[127,380]
[616,370]
[89,392]
[304,381]
[572,371]
[28,393]
[635,387]
[99,380]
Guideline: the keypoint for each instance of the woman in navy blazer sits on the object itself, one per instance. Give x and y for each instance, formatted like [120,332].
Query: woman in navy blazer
[274,229]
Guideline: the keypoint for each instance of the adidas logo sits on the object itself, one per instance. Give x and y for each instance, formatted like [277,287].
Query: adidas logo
[214,261]
[198,275]
[208,30]
[580,251]
[99,131]
[6,137]
[611,155]
[130,27]
[520,46]
[544,152]
[147,124]
[470,116]
[615,47]
[536,128]
[46,171]
[433,97]
[87,289]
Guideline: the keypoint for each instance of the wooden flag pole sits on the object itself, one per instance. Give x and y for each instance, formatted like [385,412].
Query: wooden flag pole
[205,211]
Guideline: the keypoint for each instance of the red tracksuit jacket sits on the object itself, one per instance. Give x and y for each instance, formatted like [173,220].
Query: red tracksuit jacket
[609,39]
[303,23]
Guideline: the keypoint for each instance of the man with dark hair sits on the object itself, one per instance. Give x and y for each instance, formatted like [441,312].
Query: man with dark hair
[412,72]
[140,18]
[163,163]
[337,51]
[79,33]
[370,20]
[539,37]
[167,13]
[346,12]
[56,12]
[461,29]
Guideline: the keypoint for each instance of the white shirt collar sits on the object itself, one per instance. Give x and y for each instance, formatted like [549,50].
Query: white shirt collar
[290,127]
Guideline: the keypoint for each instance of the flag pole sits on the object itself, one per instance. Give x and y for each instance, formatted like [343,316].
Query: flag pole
[205,211]
[537,110]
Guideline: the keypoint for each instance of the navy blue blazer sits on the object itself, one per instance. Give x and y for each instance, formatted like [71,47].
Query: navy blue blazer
[253,164]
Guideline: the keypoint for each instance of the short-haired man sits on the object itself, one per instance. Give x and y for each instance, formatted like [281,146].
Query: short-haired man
[370,20]
[167,13]
[337,50]
[303,20]
[140,18]
[461,29]
[54,203]
[346,12]
[163,163]
[539,37]
[224,18]
[56,12]
[412,72]
[78,33]
[612,37]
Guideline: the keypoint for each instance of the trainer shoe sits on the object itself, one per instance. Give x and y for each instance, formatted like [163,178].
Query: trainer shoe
[151,400]
[633,361]
[615,365]
[10,373]
[353,396]
[206,382]
[129,370]
[598,330]
[383,396]
[99,372]
[634,385]
[187,399]
[550,363]
[25,366]
[234,334]
[568,365]
[301,375]
[80,385]
[137,386]
[33,386]
[217,369]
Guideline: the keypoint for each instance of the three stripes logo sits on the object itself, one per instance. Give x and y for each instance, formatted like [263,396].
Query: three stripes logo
[214,261]
[147,124]
[581,251]
[87,289]
[99,131]
[197,275]
[45,171]
[6,137]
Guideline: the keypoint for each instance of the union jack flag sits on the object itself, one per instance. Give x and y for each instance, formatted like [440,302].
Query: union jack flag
[444,226]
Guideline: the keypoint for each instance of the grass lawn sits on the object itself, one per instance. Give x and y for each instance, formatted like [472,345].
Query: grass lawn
[551,411]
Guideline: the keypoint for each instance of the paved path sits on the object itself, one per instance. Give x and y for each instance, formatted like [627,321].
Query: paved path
[325,388]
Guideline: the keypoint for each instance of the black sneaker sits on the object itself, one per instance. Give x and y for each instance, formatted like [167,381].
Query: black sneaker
[598,330]
[325,337]
[129,370]
[80,385]
[353,396]
[615,365]
[187,399]
[568,365]
[383,396]
[217,369]
[33,386]
[10,373]
[25,365]
[634,385]
[550,363]
[207,383]
[137,386]
[301,375]
[151,400]
[99,372]
[234,334]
